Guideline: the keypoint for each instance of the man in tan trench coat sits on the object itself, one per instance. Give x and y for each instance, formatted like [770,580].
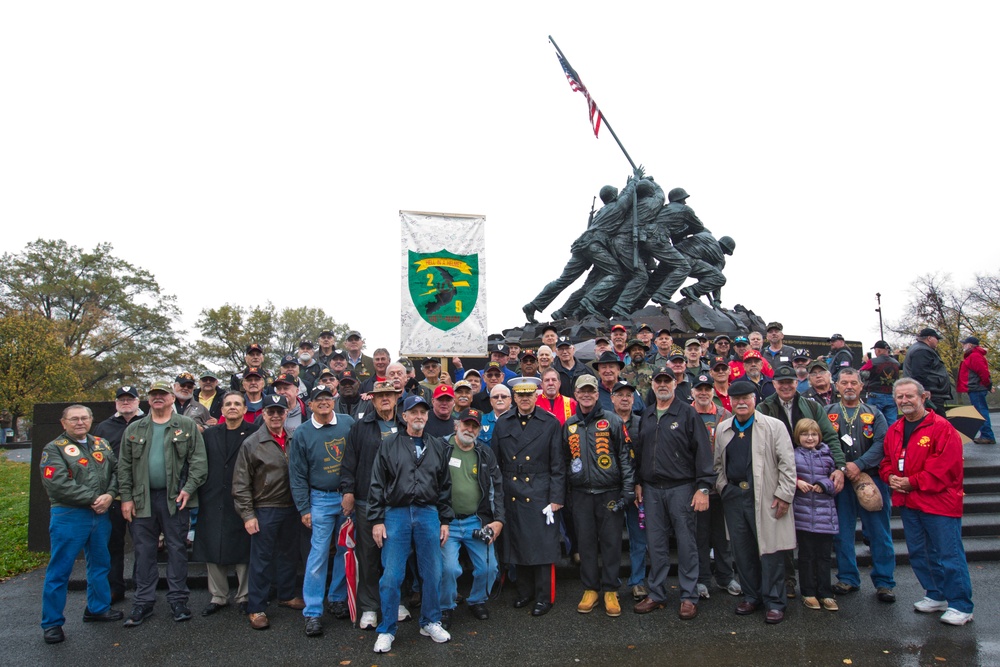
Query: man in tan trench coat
[756,479]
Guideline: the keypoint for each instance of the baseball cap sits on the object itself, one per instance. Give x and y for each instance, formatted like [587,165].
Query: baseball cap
[742,388]
[621,385]
[818,363]
[703,380]
[471,415]
[348,376]
[289,359]
[306,343]
[836,336]
[563,341]
[472,371]
[286,378]
[882,345]
[337,353]
[275,401]
[785,373]
[619,327]
[252,370]
[663,370]
[320,390]
[353,333]
[752,354]
[127,390]
[443,390]
[208,374]
[462,384]
[254,347]
[185,378]
[774,325]
[741,340]
[692,341]
[924,333]
[412,402]
[586,380]
[719,361]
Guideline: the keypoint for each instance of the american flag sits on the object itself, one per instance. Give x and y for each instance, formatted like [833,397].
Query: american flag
[577,85]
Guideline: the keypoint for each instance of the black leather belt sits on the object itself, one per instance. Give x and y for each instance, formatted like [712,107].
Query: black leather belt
[459,517]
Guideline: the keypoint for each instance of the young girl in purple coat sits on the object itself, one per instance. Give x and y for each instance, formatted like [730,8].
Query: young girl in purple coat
[815,515]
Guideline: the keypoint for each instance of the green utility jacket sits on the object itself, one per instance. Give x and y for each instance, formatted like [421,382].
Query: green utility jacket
[74,475]
[186,462]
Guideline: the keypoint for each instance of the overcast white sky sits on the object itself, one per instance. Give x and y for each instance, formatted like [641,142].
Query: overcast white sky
[848,147]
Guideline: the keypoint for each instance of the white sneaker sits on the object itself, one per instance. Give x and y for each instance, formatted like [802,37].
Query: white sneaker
[435,632]
[734,588]
[703,591]
[369,621]
[402,614]
[930,605]
[955,617]
[384,643]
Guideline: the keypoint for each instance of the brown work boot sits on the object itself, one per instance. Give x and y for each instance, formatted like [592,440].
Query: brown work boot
[688,610]
[611,606]
[587,602]
[295,603]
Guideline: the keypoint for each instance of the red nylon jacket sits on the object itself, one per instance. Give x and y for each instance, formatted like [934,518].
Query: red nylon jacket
[933,462]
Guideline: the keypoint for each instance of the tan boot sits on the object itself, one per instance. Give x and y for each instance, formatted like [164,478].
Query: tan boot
[587,602]
[611,606]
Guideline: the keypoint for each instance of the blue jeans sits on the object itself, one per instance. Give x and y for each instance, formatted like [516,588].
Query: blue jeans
[636,546]
[978,400]
[421,527]
[876,529]
[937,557]
[886,405]
[72,529]
[326,523]
[483,575]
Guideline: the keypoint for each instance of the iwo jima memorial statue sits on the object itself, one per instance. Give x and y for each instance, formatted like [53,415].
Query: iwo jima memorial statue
[641,246]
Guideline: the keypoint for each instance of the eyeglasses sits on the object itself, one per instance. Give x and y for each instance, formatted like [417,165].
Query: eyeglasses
[499,398]
[78,420]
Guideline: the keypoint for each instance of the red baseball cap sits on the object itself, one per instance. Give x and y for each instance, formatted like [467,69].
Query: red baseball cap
[752,354]
[444,390]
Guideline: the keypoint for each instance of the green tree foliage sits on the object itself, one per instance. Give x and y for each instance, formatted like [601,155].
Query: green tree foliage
[955,312]
[227,331]
[35,366]
[111,316]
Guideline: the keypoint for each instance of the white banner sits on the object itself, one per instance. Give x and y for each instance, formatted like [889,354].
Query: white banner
[444,284]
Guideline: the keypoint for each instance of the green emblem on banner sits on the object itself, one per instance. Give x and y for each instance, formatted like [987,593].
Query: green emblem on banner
[443,286]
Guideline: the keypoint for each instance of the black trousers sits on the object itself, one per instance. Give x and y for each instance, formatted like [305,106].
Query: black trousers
[369,557]
[598,532]
[711,527]
[535,581]
[762,577]
[274,551]
[815,556]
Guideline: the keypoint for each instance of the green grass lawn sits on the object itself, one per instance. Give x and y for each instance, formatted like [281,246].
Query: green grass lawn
[14,555]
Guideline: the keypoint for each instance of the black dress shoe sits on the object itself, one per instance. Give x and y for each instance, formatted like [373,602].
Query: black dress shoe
[117,597]
[446,619]
[211,608]
[522,602]
[180,611]
[541,608]
[774,616]
[746,608]
[53,635]
[109,615]
[479,612]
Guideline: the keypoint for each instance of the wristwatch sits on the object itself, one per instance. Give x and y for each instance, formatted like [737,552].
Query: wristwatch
[842,468]
[705,491]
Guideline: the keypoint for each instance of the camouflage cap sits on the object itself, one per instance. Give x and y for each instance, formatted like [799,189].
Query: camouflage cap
[161,385]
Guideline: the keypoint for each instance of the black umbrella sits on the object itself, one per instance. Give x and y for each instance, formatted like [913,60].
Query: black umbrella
[966,420]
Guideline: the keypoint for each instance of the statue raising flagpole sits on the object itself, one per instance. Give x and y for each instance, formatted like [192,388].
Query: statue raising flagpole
[629,244]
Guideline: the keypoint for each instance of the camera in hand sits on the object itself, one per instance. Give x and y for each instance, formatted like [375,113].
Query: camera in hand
[485,534]
[617,506]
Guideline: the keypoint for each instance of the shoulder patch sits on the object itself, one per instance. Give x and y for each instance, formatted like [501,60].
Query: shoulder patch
[833,416]
[44,459]
[98,456]
[72,450]
[602,424]
[48,472]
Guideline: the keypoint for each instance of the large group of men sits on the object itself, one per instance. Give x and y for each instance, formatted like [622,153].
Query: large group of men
[536,456]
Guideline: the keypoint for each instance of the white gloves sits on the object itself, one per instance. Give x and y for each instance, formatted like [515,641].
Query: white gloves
[549,516]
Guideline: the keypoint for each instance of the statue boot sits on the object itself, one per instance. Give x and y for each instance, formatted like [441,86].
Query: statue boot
[529,311]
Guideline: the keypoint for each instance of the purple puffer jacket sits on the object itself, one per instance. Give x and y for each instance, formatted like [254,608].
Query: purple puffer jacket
[815,512]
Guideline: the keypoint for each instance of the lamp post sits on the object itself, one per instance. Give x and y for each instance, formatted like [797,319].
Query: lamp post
[878,298]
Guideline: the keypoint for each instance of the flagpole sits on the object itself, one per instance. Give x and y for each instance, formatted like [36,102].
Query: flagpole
[603,117]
